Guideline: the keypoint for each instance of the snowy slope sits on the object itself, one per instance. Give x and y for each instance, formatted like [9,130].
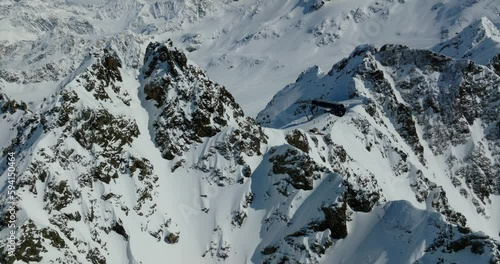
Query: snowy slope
[479,42]
[100,181]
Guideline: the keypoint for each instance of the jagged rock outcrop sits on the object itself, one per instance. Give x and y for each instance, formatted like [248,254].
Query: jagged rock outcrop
[189,108]
[75,144]
[409,107]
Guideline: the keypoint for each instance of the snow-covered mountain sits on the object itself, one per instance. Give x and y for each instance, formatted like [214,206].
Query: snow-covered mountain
[174,170]
[479,42]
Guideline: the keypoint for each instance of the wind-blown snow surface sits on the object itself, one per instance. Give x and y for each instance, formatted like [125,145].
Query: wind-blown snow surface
[100,182]
[252,47]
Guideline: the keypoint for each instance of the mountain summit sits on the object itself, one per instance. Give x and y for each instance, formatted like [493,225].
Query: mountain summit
[479,42]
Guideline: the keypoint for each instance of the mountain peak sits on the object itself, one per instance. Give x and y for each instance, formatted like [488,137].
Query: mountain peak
[479,42]
[487,26]
[164,56]
[311,73]
[189,106]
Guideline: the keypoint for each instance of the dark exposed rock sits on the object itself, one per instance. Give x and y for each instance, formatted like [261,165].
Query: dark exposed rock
[111,64]
[55,240]
[269,250]
[191,108]
[246,171]
[424,188]
[104,172]
[361,200]
[172,238]
[76,216]
[27,127]
[238,218]
[449,241]
[301,169]
[119,229]
[102,128]
[298,139]
[143,165]
[95,257]
[480,174]
[335,221]
[30,245]
[495,63]
[103,74]
[11,106]
[156,91]
[196,107]
[59,195]
[408,130]
[163,53]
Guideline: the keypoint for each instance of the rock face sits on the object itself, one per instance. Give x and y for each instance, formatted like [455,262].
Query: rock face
[113,169]
[434,103]
[67,150]
[191,107]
